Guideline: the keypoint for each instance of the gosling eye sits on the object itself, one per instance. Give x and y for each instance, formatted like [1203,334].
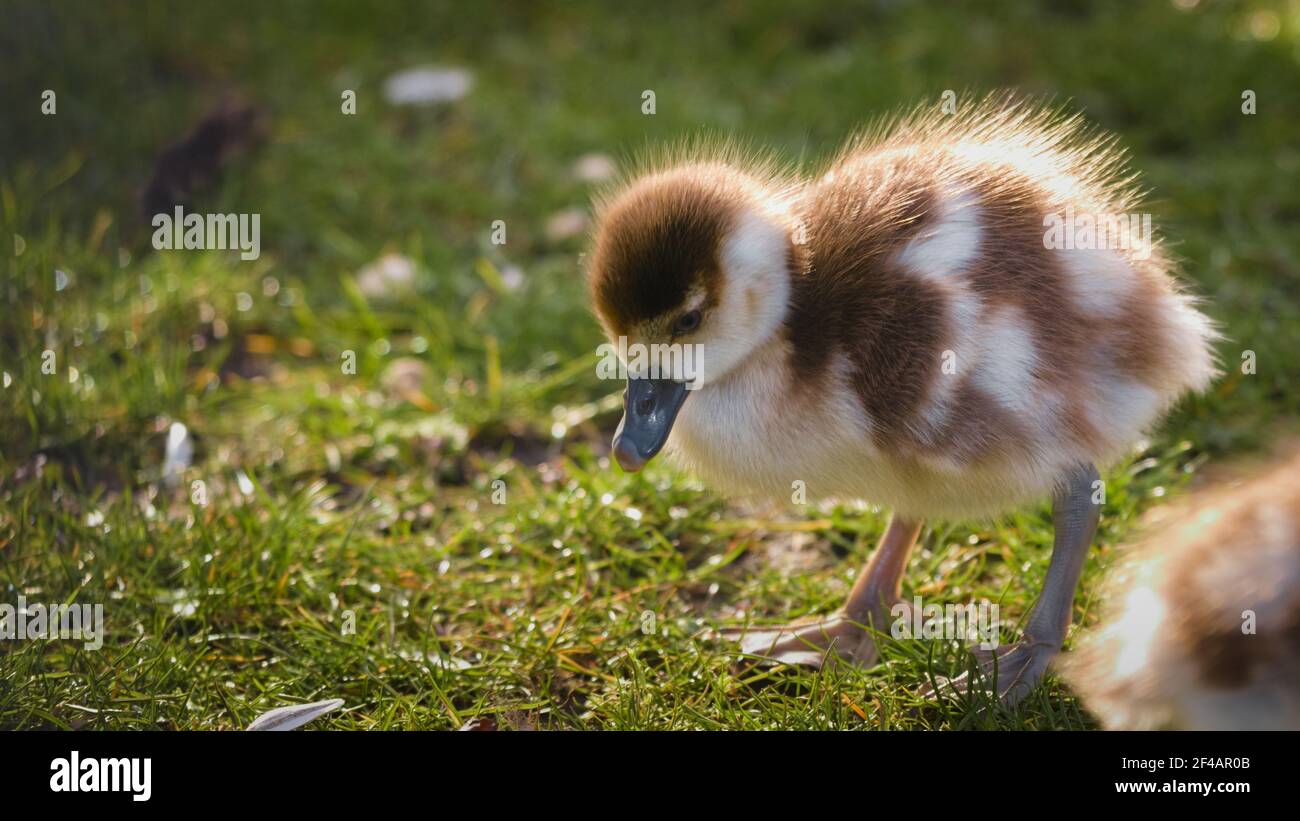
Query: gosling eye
[687,322]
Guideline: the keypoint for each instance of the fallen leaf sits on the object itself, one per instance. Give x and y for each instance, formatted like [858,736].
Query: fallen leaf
[195,162]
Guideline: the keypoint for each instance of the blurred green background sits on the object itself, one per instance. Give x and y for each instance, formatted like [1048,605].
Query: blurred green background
[325,493]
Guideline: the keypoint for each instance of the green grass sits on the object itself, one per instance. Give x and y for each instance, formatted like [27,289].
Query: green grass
[372,507]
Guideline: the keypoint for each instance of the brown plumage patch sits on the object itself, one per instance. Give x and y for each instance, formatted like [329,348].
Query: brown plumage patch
[1254,522]
[1016,268]
[854,298]
[658,240]
[1226,658]
[1140,334]
[976,428]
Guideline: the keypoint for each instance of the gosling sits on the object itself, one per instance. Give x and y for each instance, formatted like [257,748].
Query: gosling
[929,324]
[1204,633]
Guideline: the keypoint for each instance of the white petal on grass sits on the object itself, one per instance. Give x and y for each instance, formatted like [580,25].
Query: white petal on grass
[448,663]
[391,272]
[594,167]
[245,484]
[293,716]
[427,85]
[566,224]
[404,375]
[435,660]
[180,450]
[512,276]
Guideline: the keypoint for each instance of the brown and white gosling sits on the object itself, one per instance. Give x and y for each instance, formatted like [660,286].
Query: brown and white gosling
[1204,631]
[901,329]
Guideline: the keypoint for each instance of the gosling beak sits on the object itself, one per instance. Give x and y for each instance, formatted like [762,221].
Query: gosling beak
[649,408]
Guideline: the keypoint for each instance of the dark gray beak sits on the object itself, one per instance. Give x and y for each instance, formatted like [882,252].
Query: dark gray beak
[649,408]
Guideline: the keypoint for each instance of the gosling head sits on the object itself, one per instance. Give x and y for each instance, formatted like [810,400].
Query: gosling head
[700,255]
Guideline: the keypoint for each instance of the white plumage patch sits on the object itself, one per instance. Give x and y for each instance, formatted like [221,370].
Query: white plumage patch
[1121,409]
[945,251]
[1100,280]
[1007,360]
[941,256]
[748,434]
[1191,333]
[754,300]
